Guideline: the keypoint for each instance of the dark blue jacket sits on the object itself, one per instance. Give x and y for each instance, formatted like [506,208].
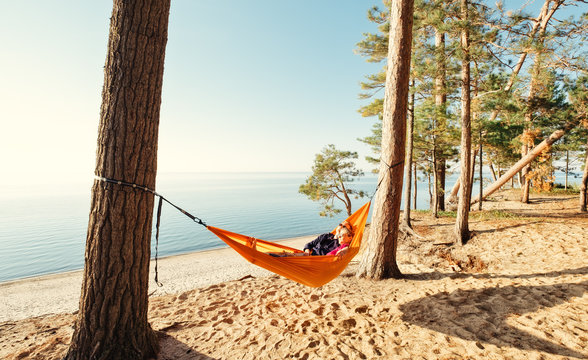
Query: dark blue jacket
[323,244]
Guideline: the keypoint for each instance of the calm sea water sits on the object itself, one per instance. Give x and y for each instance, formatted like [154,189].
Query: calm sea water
[44,231]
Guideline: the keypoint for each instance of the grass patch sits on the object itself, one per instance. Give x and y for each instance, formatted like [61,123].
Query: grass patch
[493,215]
[562,191]
[442,214]
[559,189]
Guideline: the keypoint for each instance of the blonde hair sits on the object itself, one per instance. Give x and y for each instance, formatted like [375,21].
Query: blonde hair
[344,228]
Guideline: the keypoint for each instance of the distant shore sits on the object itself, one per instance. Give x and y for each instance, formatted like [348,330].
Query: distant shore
[59,293]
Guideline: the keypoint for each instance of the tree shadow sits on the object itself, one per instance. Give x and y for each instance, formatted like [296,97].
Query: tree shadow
[481,314]
[474,232]
[173,349]
[526,213]
[541,200]
[437,275]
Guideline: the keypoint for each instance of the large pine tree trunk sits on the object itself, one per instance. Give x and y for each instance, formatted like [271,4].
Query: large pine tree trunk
[379,259]
[462,231]
[584,186]
[112,320]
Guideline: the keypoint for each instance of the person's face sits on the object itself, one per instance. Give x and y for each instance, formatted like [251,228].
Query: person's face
[345,238]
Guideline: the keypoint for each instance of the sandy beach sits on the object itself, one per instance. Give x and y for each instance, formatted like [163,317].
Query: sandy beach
[517,290]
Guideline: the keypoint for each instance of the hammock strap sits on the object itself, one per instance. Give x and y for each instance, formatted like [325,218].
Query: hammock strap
[144,188]
[159,206]
[390,167]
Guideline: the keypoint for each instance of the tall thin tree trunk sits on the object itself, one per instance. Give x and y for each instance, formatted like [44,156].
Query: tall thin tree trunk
[462,231]
[567,167]
[436,187]
[481,174]
[430,191]
[525,188]
[474,154]
[440,104]
[441,171]
[492,171]
[408,161]
[584,186]
[416,180]
[112,319]
[379,259]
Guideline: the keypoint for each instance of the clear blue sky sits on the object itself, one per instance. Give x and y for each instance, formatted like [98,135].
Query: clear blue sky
[248,85]
[259,85]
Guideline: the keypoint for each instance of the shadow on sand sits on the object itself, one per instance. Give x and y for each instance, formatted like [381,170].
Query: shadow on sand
[481,314]
[437,275]
[173,349]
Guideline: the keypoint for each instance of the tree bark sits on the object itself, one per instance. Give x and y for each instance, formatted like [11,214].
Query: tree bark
[556,135]
[473,155]
[379,259]
[454,191]
[416,179]
[435,195]
[481,173]
[408,162]
[112,319]
[440,104]
[462,231]
[526,185]
[567,167]
[491,166]
[584,186]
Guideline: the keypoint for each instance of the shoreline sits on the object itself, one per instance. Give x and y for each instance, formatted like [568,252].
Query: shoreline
[59,293]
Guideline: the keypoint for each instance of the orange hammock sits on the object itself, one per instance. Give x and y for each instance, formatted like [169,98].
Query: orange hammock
[312,271]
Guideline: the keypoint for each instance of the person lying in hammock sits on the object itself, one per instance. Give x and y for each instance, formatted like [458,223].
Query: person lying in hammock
[327,244]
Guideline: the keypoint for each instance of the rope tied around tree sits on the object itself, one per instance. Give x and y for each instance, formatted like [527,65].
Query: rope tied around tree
[390,167]
[158,221]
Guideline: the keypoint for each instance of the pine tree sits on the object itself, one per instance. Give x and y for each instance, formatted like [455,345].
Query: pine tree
[332,172]
[462,232]
[379,259]
[112,320]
